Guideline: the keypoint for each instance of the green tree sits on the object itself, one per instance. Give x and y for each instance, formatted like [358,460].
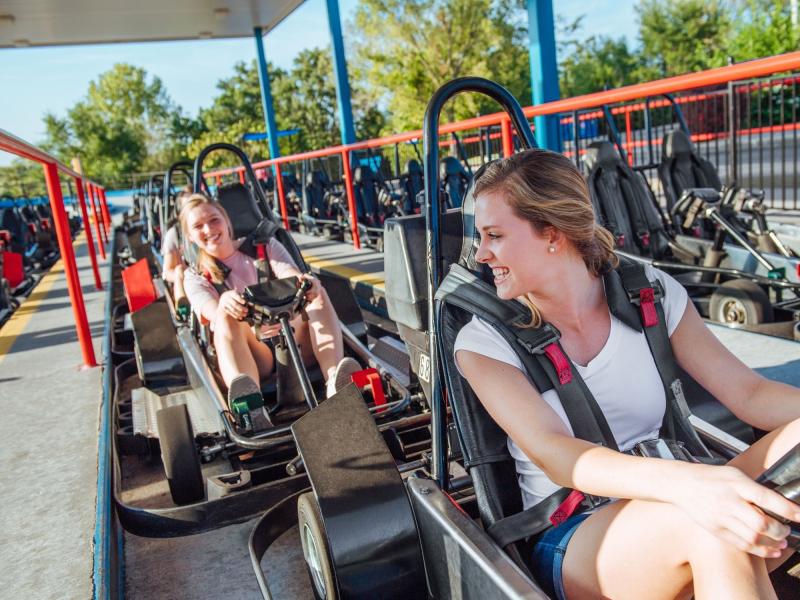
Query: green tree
[304,98]
[596,64]
[683,36]
[22,178]
[408,48]
[123,125]
[764,29]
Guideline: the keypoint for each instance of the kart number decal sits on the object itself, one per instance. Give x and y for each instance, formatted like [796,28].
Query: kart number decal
[424,368]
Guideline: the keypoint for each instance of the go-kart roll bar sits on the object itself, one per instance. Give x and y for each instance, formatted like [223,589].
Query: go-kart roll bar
[185,167]
[199,183]
[433,213]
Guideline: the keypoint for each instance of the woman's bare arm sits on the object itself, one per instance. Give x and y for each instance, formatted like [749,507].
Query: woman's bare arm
[754,399]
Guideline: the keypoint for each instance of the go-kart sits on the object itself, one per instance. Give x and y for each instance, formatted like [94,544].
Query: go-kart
[435,535]
[732,283]
[186,461]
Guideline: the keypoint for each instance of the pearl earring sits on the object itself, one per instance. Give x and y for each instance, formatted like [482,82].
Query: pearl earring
[551,249]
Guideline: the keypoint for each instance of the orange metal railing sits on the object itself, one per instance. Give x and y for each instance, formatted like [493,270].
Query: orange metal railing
[671,85]
[53,169]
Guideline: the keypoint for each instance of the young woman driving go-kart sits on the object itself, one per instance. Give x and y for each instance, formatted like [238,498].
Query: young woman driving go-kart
[673,528]
[244,360]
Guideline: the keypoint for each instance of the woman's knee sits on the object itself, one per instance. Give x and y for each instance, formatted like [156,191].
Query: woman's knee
[228,328]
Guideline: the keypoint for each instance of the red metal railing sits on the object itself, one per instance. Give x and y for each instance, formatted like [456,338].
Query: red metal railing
[52,170]
[747,70]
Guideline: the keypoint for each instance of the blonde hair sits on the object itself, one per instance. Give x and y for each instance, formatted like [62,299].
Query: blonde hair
[547,190]
[205,262]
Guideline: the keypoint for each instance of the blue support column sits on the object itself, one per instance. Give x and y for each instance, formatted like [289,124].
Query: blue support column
[340,73]
[544,69]
[266,98]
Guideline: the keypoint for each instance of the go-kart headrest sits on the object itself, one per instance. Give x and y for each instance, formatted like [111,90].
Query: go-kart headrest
[676,143]
[241,207]
[451,166]
[363,175]
[601,154]
[412,167]
[317,177]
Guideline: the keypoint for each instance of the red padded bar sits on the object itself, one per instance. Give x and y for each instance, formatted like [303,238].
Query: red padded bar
[139,288]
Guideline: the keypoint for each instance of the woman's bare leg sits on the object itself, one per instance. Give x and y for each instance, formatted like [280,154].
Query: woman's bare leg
[637,549]
[239,352]
[324,333]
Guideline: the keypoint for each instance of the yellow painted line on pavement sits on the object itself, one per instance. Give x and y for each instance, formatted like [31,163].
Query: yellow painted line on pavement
[30,305]
[376,280]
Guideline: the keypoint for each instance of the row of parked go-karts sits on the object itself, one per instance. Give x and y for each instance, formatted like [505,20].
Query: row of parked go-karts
[396,481]
[28,247]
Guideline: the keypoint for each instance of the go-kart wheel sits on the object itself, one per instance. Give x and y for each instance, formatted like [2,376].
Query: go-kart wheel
[179,455]
[315,547]
[740,302]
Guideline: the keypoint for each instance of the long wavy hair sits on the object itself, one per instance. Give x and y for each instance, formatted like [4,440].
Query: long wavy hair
[547,190]
[205,262]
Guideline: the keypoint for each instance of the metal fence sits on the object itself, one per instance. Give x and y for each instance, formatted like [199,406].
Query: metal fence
[747,129]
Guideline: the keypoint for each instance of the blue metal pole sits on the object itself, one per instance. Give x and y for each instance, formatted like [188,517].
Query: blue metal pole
[266,98]
[340,72]
[544,69]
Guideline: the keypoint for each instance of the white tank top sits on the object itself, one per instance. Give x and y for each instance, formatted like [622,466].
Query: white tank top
[622,378]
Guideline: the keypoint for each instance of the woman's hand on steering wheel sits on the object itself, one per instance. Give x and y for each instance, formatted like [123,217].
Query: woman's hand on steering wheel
[316,286]
[232,305]
[732,506]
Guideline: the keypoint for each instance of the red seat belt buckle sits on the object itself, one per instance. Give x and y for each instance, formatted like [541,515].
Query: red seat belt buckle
[567,508]
[647,306]
[261,250]
[370,378]
[560,362]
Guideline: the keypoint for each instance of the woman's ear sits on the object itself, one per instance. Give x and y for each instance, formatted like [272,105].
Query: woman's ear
[554,237]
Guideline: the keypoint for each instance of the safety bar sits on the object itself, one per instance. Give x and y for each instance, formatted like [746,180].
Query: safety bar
[86,190]
[745,70]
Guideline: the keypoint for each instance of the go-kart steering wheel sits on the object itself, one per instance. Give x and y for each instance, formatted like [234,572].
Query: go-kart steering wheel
[269,301]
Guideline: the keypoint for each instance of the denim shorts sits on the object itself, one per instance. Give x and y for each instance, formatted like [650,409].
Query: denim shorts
[548,556]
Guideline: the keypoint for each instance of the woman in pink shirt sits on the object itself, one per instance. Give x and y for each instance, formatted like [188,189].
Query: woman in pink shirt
[239,352]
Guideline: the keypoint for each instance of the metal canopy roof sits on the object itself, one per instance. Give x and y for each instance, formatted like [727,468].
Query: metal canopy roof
[26,23]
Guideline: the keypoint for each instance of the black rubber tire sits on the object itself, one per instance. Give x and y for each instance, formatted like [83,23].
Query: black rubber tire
[179,455]
[311,528]
[744,297]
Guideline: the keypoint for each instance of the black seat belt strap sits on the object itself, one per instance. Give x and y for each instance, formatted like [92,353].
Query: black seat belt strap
[648,296]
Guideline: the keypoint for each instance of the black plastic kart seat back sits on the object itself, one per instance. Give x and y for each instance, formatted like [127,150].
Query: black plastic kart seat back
[369,523]
[681,168]
[455,180]
[623,204]
[365,192]
[413,183]
[241,207]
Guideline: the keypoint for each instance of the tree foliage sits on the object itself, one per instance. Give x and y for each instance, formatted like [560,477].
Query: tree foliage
[765,30]
[596,64]
[22,178]
[682,36]
[123,125]
[303,98]
[406,49]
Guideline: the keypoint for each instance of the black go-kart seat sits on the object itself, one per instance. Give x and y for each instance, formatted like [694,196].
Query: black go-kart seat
[412,183]
[623,203]
[366,194]
[238,202]
[316,184]
[455,180]
[21,236]
[681,168]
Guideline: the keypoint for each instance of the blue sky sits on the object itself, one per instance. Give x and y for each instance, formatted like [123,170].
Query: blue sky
[40,80]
